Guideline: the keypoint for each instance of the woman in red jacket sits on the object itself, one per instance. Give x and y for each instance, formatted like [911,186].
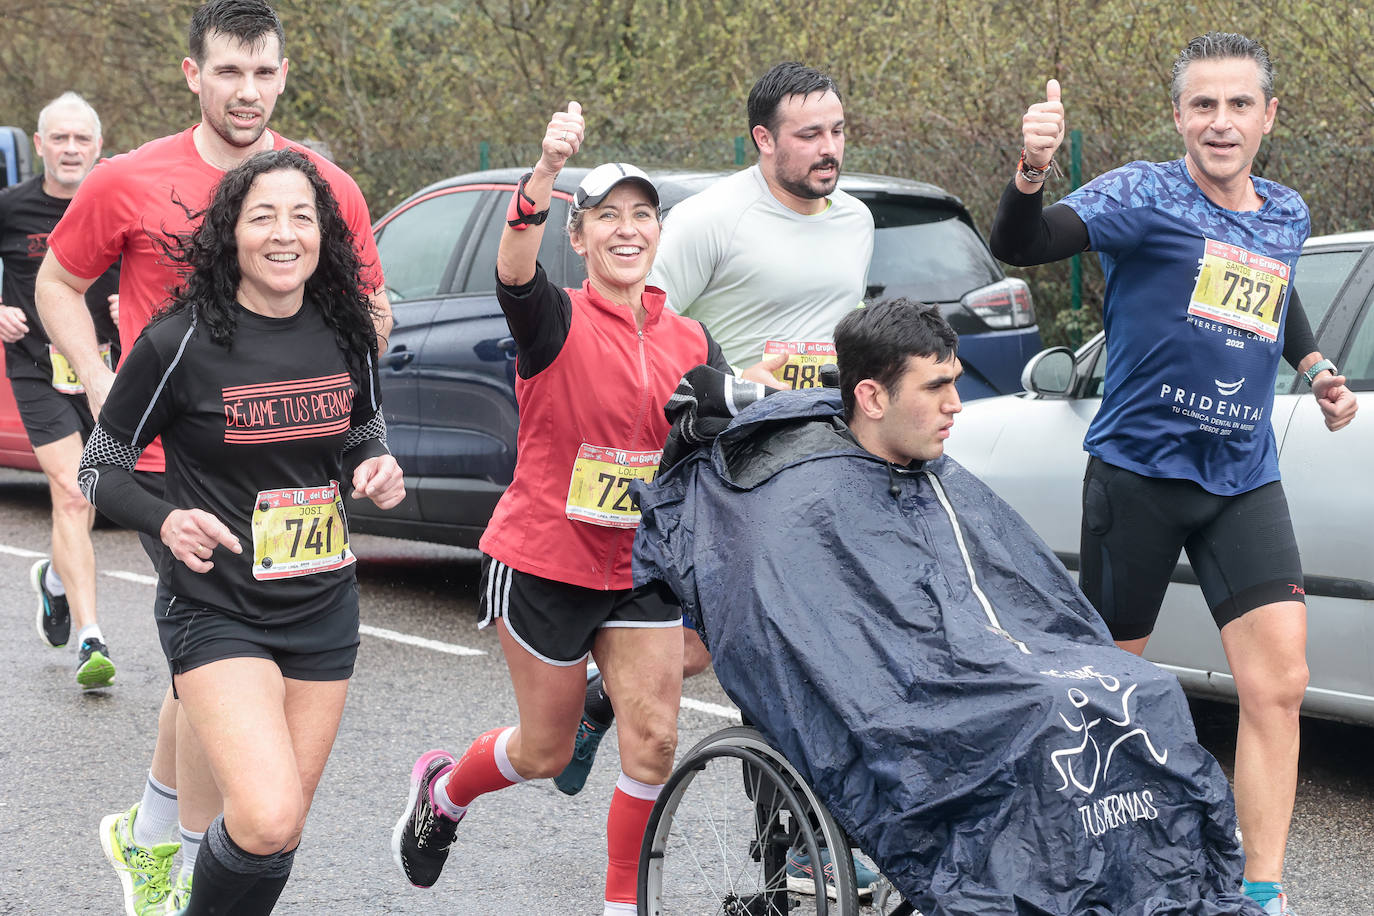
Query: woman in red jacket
[596,366]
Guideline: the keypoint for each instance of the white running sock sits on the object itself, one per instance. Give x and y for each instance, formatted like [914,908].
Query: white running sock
[190,848]
[52,583]
[440,799]
[157,814]
[90,631]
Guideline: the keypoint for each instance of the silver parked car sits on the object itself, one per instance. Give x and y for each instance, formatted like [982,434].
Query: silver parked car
[1029,448]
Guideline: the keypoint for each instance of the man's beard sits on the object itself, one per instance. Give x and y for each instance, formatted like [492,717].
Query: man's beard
[800,188]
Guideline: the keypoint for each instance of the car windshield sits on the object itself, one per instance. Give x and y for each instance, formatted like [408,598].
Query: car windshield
[924,252]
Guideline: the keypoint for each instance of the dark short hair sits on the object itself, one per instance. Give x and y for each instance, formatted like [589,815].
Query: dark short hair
[785,79]
[874,342]
[248,21]
[210,256]
[1222,46]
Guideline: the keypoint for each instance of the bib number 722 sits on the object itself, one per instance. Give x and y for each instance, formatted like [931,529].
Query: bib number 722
[614,483]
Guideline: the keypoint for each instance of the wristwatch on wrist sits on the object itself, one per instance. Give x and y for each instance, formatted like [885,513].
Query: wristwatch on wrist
[1318,366]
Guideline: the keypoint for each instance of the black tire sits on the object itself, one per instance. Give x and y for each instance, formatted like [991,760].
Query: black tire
[702,851]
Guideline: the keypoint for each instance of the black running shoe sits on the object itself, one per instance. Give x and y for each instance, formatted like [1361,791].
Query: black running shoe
[93,665]
[420,842]
[54,618]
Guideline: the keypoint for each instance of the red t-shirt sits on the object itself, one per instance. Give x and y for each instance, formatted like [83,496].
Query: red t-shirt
[130,197]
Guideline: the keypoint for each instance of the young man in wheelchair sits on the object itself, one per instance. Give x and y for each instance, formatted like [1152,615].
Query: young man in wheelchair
[918,654]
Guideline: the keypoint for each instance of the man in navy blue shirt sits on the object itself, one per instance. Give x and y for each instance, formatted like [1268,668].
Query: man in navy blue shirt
[1198,256]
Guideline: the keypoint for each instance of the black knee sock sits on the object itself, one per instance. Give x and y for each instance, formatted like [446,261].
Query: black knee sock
[262,897]
[231,882]
[597,707]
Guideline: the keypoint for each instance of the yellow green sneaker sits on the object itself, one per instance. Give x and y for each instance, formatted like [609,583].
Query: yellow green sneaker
[180,898]
[143,871]
[94,668]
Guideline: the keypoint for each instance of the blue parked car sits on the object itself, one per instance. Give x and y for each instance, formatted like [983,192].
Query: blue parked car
[448,377]
[16,156]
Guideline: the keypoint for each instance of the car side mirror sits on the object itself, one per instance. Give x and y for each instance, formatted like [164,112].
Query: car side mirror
[1049,373]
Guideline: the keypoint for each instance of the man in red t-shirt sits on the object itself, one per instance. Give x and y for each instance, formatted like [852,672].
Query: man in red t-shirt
[128,204]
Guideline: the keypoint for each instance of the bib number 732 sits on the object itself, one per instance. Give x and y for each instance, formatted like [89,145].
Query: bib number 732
[1241,289]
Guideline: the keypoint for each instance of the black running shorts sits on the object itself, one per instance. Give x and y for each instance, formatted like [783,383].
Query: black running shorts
[557,622]
[49,415]
[1242,548]
[322,648]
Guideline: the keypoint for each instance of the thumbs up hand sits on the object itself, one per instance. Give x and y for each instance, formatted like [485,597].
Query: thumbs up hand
[1042,127]
[563,137]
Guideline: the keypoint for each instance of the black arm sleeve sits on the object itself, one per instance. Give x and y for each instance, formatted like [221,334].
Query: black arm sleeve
[107,481]
[715,357]
[367,427]
[1025,233]
[539,316]
[1298,339]
[138,408]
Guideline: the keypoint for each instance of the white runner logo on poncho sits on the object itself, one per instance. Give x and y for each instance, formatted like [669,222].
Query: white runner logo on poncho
[1083,765]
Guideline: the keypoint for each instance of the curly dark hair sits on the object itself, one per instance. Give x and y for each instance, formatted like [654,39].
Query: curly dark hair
[210,256]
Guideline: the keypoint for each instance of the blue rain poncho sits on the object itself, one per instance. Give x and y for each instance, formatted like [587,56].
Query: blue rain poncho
[905,639]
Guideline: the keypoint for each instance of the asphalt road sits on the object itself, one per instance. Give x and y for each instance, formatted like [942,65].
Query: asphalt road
[72,757]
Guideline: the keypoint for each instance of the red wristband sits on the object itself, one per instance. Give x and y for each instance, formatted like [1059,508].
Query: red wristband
[521,215]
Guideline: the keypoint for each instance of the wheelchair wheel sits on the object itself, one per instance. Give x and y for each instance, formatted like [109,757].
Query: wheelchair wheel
[716,849]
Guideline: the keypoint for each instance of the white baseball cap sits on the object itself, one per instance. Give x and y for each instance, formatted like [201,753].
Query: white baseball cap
[601,180]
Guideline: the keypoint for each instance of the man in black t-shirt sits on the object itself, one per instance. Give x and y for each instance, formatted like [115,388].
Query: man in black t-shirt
[51,403]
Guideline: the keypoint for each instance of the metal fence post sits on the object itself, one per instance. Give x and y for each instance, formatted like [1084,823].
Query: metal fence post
[739,151]
[484,155]
[1076,265]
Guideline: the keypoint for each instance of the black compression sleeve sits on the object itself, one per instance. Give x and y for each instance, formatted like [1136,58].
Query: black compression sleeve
[127,503]
[1298,339]
[715,356]
[1025,233]
[539,315]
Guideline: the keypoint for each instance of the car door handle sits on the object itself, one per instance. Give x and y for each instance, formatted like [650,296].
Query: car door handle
[399,356]
[507,346]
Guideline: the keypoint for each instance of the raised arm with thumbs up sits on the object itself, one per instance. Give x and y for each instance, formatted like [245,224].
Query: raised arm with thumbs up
[1042,130]
[515,259]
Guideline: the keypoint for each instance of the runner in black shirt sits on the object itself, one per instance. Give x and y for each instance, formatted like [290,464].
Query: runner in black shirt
[51,402]
[266,406]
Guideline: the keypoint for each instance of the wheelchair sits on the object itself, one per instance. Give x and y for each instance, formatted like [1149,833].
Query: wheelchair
[723,827]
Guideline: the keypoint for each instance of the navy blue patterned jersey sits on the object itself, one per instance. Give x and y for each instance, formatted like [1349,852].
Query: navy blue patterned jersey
[1194,314]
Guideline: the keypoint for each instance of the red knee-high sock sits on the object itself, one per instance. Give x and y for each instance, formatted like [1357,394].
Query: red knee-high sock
[625,824]
[483,768]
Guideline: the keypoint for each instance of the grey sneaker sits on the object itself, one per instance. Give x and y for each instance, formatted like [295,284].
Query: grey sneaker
[1278,906]
[54,618]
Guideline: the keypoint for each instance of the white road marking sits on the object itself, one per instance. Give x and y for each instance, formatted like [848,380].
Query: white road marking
[136,578]
[21,552]
[713,709]
[420,641]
